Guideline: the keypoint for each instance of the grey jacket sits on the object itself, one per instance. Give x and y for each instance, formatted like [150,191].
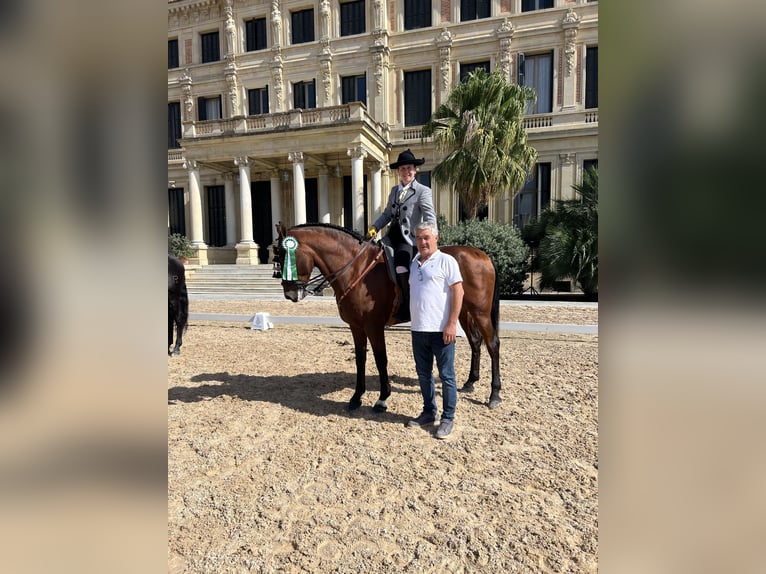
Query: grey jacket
[416,206]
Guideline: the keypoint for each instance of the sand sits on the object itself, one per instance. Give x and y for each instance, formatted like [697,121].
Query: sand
[268,471]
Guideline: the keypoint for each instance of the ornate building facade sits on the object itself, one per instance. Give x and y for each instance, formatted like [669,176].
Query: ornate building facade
[291,110]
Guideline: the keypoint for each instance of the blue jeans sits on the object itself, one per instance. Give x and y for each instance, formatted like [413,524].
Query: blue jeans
[427,346]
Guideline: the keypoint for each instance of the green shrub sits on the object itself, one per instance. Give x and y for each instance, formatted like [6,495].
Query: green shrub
[180,246]
[501,242]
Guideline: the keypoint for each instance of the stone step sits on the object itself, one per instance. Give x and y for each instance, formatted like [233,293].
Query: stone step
[233,280]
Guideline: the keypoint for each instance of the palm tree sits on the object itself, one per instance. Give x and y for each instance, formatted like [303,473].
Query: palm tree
[568,238]
[481,133]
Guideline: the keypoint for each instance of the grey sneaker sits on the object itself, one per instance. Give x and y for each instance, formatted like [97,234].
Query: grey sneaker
[423,419]
[445,428]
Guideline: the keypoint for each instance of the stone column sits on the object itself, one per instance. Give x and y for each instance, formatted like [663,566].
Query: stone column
[567,177]
[187,105]
[231,210]
[299,186]
[324,194]
[375,172]
[504,34]
[276,198]
[444,43]
[195,211]
[380,54]
[570,24]
[247,250]
[357,155]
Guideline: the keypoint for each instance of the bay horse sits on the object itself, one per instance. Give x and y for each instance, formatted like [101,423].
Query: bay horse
[178,303]
[367,296]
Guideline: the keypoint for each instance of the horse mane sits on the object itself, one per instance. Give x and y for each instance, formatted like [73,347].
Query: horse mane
[350,232]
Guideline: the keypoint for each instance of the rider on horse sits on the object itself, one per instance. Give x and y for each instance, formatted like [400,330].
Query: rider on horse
[409,203]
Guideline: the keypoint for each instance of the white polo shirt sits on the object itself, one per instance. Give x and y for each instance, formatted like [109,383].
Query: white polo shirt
[430,292]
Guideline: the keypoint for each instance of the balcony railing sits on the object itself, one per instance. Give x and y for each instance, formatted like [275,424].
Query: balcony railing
[538,123]
[352,112]
[543,121]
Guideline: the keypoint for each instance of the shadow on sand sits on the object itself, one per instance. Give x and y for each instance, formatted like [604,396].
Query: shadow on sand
[305,393]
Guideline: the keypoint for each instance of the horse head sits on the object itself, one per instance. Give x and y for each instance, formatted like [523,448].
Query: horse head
[294,287]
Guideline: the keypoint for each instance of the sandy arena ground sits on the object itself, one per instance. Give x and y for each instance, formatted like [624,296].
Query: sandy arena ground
[268,472]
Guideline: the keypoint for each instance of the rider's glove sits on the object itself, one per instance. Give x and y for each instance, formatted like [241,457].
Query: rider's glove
[371,232]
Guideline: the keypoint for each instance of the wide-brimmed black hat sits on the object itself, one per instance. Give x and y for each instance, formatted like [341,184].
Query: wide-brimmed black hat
[407,158]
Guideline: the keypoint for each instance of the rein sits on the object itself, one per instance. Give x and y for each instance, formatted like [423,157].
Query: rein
[314,284]
[367,269]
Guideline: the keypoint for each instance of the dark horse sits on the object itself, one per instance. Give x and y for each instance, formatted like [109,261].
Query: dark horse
[366,296]
[178,303]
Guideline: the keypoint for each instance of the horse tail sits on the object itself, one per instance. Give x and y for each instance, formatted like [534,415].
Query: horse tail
[495,312]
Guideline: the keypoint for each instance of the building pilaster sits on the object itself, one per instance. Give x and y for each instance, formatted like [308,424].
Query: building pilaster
[195,211]
[247,249]
[299,186]
[357,155]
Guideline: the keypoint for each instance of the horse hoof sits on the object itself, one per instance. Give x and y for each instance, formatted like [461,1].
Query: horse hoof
[353,405]
[494,403]
[379,408]
[467,388]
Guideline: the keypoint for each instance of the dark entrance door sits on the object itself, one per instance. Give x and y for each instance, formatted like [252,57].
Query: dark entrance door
[263,230]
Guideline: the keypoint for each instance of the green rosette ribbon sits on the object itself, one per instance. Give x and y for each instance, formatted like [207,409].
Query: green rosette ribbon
[290,268]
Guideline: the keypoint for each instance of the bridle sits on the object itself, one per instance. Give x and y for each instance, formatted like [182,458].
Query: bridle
[317,283]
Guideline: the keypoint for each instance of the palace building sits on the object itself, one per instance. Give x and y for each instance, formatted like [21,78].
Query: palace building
[292,110]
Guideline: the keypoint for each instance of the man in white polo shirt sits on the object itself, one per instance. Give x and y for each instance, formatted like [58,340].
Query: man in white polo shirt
[436,295]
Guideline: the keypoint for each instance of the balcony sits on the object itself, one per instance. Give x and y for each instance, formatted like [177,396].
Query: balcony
[292,119]
[551,122]
[538,123]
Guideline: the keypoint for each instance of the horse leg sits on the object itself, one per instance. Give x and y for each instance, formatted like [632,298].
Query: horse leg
[181,319]
[474,340]
[360,354]
[492,342]
[493,348]
[170,331]
[378,343]
[179,338]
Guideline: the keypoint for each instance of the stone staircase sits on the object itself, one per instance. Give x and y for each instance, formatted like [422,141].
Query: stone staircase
[233,282]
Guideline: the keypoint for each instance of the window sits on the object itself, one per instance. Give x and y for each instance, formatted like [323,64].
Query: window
[304,95]
[255,34]
[417,97]
[176,215]
[174,124]
[172,53]
[417,14]
[211,49]
[302,26]
[474,9]
[354,89]
[312,199]
[466,69]
[258,101]
[260,194]
[537,73]
[529,5]
[589,163]
[534,197]
[482,211]
[352,18]
[216,216]
[209,108]
[591,77]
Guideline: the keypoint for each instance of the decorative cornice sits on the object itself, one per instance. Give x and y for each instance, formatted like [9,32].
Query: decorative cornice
[177,6]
